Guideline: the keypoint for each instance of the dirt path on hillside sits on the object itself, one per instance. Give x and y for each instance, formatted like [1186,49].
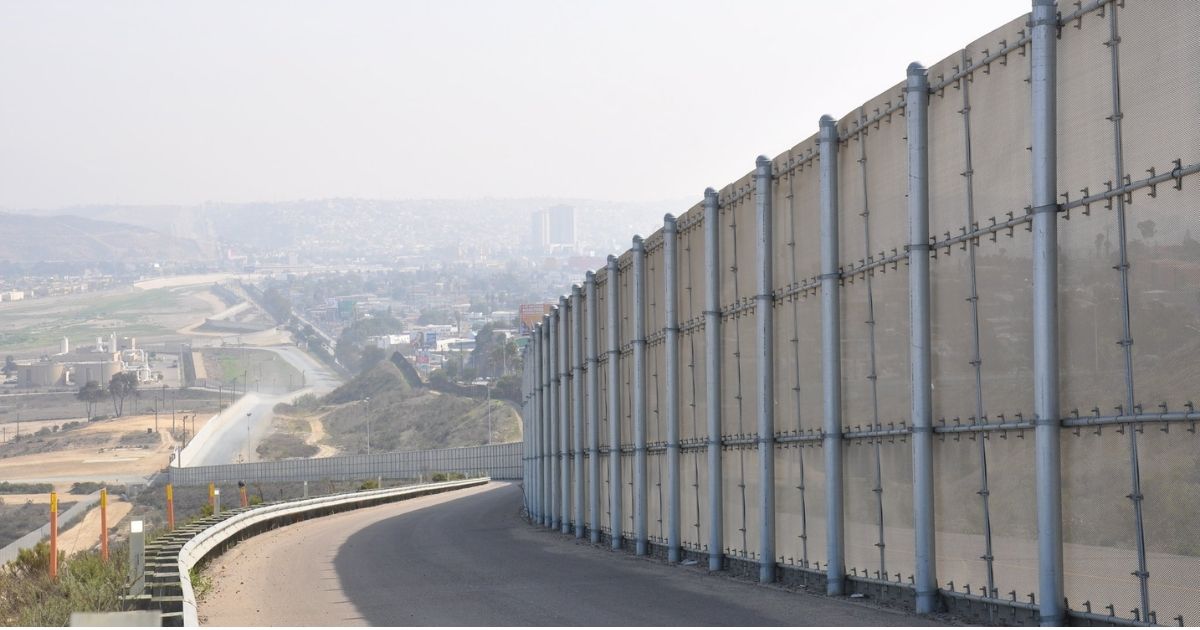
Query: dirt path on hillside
[318,433]
[85,533]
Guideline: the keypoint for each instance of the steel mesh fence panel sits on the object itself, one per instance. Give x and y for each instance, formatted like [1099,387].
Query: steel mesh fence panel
[1128,264]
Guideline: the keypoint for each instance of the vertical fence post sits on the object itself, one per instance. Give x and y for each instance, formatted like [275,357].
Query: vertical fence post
[712,376]
[593,406]
[53,535]
[917,116]
[671,326]
[764,339]
[564,414]
[104,524]
[216,501]
[555,393]
[614,403]
[305,488]
[831,359]
[1045,311]
[547,475]
[577,400]
[639,397]
[534,360]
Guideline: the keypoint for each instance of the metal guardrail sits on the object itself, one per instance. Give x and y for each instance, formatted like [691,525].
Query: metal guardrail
[170,559]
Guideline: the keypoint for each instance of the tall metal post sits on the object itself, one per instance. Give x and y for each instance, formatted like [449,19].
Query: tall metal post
[831,359]
[765,354]
[916,102]
[593,406]
[577,406]
[614,402]
[671,326]
[712,376]
[544,435]
[552,447]
[564,415]
[1045,311]
[536,462]
[640,494]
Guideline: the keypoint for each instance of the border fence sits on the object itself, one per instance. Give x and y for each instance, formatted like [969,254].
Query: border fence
[944,347]
[498,461]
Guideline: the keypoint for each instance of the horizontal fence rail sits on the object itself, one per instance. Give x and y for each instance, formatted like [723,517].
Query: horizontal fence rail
[498,461]
[942,352]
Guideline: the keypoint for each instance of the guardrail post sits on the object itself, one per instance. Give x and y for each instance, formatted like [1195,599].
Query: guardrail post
[671,325]
[1045,311]
[639,397]
[564,415]
[764,318]
[614,403]
[712,375]
[137,558]
[577,404]
[917,116]
[593,406]
[831,359]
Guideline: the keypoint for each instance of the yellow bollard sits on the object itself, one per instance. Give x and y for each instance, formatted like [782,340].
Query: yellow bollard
[104,524]
[53,535]
[170,507]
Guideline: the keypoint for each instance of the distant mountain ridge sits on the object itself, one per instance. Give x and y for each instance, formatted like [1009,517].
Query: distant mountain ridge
[66,238]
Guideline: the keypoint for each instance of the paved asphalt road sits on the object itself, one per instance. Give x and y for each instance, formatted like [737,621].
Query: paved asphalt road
[235,435]
[468,559]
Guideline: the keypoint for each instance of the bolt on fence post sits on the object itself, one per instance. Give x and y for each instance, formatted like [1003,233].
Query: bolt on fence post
[917,117]
[764,319]
[639,397]
[593,406]
[614,402]
[137,558]
[712,375]
[564,415]
[577,406]
[104,524]
[831,359]
[1043,80]
[671,326]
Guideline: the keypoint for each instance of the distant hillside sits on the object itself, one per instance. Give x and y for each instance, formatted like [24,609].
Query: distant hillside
[404,417]
[76,239]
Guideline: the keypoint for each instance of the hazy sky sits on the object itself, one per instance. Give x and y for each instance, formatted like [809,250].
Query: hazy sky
[182,102]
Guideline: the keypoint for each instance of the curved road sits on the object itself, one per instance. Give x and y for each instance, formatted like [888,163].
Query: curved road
[467,559]
[237,430]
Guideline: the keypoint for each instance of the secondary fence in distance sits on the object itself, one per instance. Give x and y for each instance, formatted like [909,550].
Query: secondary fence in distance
[498,461]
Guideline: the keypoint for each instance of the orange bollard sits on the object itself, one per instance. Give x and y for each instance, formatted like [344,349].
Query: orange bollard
[211,491]
[170,507]
[242,491]
[53,535]
[104,524]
